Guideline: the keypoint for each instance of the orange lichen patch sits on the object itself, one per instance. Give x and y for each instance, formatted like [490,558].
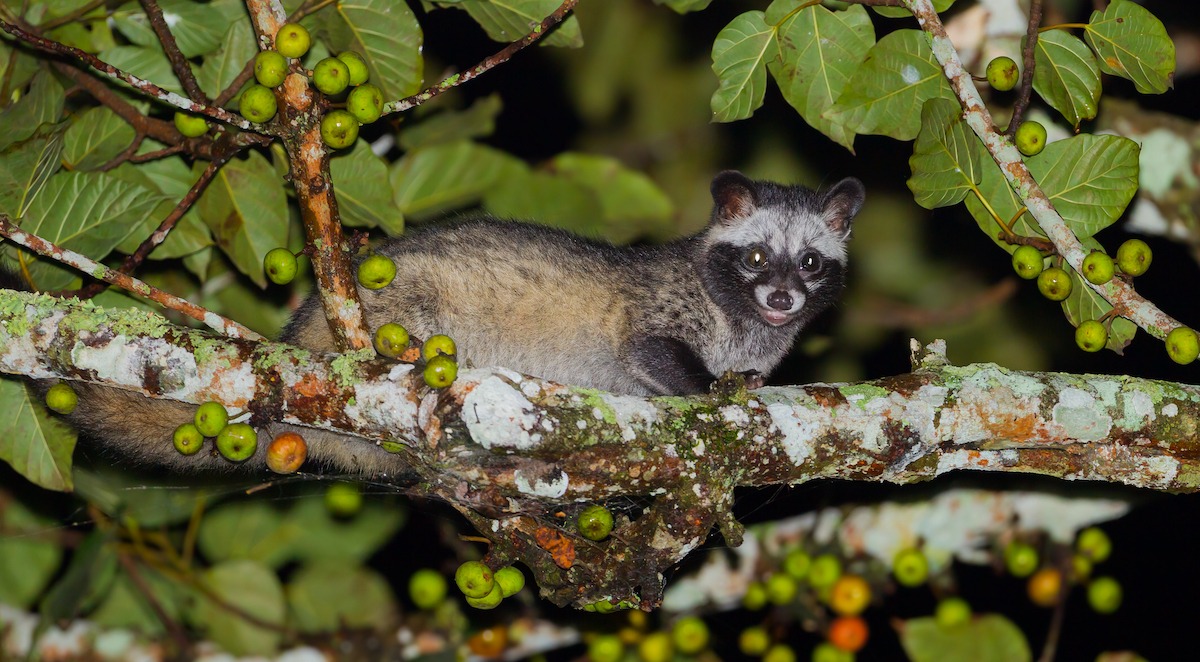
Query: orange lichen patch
[309,386]
[561,549]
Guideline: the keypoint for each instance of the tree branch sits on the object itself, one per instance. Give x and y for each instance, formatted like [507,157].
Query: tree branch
[1025,89]
[179,63]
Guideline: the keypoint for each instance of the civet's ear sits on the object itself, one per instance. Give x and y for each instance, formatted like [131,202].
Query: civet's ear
[733,196]
[840,204]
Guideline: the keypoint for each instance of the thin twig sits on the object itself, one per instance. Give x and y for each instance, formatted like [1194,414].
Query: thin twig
[174,629]
[88,266]
[500,57]
[1025,90]
[179,63]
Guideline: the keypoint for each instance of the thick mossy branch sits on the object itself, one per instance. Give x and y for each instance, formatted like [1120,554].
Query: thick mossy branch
[519,455]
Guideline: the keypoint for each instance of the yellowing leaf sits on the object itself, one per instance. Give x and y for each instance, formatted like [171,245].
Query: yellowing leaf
[1132,43]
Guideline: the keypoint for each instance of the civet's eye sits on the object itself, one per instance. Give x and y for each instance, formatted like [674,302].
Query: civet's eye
[810,262]
[756,258]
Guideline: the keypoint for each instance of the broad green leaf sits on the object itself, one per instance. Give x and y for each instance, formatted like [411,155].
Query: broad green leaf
[321,536]
[987,638]
[999,197]
[246,208]
[360,182]
[19,66]
[199,28]
[327,596]
[631,204]
[88,577]
[946,156]
[42,104]
[546,199]
[173,178]
[127,606]
[36,444]
[387,35]
[739,57]
[509,20]
[900,12]
[477,121]
[819,50]
[145,62]
[433,180]
[1089,178]
[1085,304]
[25,169]
[91,33]
[28,558]
[1066,75]
[684,6]
[252,588]
[1132,43]
[124,494]
[220,68]
[886,93]
[246,530]
[95,138]
[88,212]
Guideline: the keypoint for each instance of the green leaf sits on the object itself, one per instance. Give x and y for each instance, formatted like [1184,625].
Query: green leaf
[547,199]
[126,606]
[739,57]
[25,169]
[19,66]
[819,50]
[246,208]
[330,595]
[886,93]
[1066,75]
[221,68]
[387,35]
[28,559]
[631,204]
[88,212]
[173,178]
[684,6]
[946,156]
[1085,304]
[252,588]
[246,530]
[987,638]
[449,126]
[123,494]
[1000,197]
[145,62]
[42,104]
[360,181]
[95,137]
[1132,43]
[88,577]
[430,181]
[900,12]
[509,20]
[36,444]
[321,536]
[1089,178]
[199,28]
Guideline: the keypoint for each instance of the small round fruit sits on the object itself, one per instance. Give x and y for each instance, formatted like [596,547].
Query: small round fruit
[1098,267]
[188,440]
[438,345]
[1094,544]
[292,40]
[780,653]
[1002,73]
[594,522]
[797,563]
[339,129]
[1183,345]
[848,633]
[191,126]
[781,589]
[356,65]
[1054,284]
[343,500]
[656,647]
[474,579]
[61,398]
[510,579]
[850,595]
[489,643]
[440,372]
[910,567]
[1031,138]
[489,601]
[365,103]
[606,648]
[1027,261]
[1134,257]
[1044,587]
[258,103]
[1081,567]
[952,612]
[1104,594]
[1020,558]
[237,442]
[1091,336]
[755,597]
[331,76]
[427,588]
[827,652]
[690,635]
[286,453]
[825,570]
[270,68]
[391,340]
[211,418]
[754,641]
[280,265]
[376,272]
